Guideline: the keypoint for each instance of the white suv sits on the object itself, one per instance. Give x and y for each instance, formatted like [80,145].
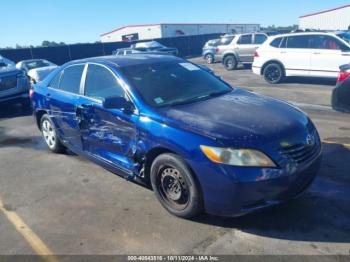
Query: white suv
[313,54]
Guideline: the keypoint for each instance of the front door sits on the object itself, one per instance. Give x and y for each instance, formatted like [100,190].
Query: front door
[328,54]
[108,134]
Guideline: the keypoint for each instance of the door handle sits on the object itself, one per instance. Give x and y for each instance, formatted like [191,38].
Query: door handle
[48,97]
[317,53]
[283,52]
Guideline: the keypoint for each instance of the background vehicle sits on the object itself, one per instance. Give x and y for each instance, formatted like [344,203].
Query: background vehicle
[154,46]
[240,50]
[315,54]
[165,121]
[147,47]
[341,93]
[209,48]
[38,74]
[14,84]
[27,65]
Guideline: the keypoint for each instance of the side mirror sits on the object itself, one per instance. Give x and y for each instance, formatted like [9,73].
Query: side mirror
[118,102]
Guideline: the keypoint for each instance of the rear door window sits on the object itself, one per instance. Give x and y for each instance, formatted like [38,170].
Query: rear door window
[71,78]
[245,40]
[298,41]
[55,82]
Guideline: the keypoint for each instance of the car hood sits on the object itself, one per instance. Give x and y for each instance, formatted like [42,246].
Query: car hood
[239,118]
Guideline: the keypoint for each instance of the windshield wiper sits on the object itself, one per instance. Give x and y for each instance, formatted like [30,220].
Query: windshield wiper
[194,99]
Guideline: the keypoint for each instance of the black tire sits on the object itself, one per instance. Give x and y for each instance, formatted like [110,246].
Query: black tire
[48,129]
[274,73]
[209,58]
[230,62]
[175,186]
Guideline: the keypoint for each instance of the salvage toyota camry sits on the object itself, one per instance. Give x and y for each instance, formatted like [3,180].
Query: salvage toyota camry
[201,144]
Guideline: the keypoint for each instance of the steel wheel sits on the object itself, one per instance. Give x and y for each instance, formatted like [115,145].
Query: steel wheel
[49,134]
[173,188]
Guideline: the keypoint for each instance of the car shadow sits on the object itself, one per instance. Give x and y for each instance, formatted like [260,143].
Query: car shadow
[310,81]
[320,215]
[13,110]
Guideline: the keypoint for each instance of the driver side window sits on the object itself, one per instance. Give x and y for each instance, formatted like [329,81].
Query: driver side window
[100,83]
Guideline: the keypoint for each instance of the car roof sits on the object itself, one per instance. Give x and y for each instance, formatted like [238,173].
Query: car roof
[129,60]
[305,33]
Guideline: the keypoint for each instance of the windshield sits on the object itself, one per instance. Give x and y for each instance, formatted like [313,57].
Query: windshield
[172,83]
[37,64]
[226,40]
[345,36]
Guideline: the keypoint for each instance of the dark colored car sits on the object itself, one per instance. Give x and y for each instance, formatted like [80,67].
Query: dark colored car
[341,92]
[154,46]
[14,84]
[201,144]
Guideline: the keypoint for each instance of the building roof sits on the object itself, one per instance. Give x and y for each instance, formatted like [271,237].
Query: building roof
[325,11]
[151,25]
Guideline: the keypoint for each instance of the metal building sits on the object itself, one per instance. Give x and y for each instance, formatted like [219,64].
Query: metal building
[332,19]
[153,31]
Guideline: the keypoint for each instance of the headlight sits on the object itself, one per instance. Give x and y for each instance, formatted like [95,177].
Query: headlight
[237,157]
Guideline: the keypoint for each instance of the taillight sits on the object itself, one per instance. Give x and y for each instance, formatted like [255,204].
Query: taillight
[217,50]
[256,54]
[343,75]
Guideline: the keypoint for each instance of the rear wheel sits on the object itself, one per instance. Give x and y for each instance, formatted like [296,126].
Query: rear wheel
[175,187]
[274,73]
[209,58]
[230,62]
[50,135]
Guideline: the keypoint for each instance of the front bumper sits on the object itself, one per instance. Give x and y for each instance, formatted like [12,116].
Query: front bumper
[256,188]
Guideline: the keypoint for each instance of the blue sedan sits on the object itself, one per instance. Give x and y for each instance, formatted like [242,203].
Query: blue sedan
[201,144]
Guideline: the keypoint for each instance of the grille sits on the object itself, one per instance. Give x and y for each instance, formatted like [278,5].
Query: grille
[8,82]
[300,152]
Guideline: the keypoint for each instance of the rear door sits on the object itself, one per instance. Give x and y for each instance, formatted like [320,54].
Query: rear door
[108,134]
[295,55]
[328,54]
[62,99]
[246,48]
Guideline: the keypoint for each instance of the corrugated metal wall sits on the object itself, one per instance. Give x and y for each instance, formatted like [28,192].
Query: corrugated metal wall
[333,20]
[187,45]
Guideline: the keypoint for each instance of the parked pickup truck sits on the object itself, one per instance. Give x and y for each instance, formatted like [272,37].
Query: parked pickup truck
[14,84]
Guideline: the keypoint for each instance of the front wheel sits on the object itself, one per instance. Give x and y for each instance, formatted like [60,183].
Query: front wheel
[175,187]
[273,73]
[50,135]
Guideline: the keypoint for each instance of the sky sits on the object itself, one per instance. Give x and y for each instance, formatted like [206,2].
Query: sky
[29,22]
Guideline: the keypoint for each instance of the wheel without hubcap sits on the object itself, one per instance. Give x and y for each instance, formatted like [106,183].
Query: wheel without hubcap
[175,187]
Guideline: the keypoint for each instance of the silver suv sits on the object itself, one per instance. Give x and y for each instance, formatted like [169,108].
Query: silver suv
[240,50]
